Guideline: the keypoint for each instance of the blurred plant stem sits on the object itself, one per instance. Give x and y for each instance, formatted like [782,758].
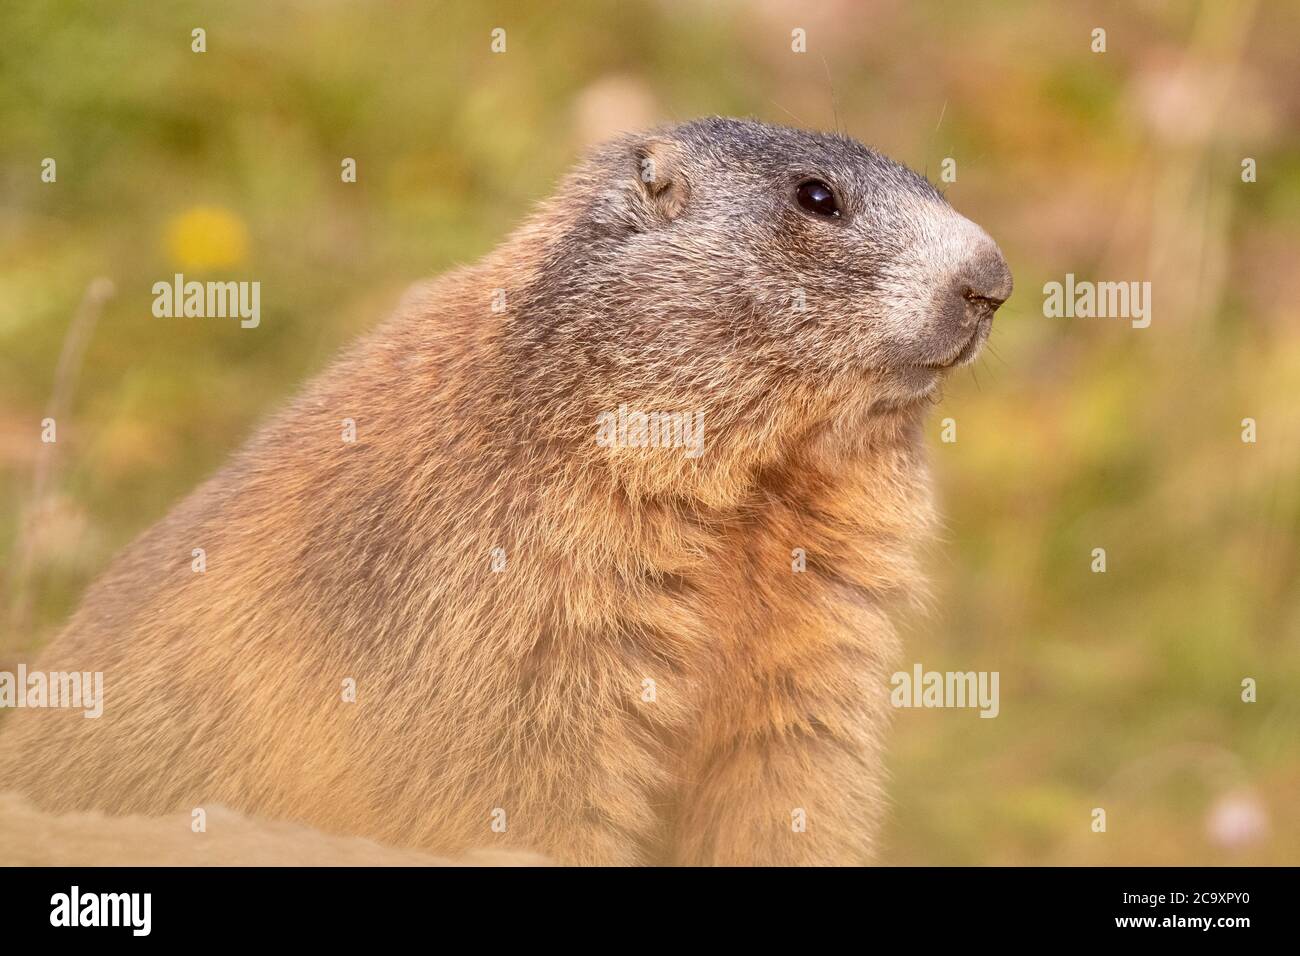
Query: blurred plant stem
[97,293]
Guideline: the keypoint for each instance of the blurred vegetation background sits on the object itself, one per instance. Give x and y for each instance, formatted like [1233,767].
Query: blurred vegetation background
[1119,690]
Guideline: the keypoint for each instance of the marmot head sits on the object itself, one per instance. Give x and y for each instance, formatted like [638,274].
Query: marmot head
[724,257]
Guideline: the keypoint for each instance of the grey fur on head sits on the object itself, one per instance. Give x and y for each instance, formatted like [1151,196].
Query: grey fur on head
[688,237]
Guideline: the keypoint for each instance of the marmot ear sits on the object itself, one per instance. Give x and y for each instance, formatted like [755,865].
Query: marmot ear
[661,178]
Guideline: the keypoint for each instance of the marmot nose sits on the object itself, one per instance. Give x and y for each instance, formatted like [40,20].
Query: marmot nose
[982,286]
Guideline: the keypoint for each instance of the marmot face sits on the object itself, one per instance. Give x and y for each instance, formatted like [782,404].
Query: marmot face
[783,252]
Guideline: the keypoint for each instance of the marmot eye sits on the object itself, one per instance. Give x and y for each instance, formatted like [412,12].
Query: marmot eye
[815,196]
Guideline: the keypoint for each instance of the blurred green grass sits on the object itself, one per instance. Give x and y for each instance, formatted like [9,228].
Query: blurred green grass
[1119,690]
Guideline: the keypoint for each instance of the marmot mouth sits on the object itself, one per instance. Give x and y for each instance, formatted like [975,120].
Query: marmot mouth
[970,348]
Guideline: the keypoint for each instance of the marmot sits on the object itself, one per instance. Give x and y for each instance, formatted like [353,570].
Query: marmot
[609,649]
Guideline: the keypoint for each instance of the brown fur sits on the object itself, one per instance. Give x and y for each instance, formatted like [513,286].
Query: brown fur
[522,690]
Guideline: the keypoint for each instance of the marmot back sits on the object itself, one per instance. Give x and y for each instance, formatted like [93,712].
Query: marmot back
[607,572]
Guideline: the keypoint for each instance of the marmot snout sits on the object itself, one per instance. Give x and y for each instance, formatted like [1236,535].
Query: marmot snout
[606,570]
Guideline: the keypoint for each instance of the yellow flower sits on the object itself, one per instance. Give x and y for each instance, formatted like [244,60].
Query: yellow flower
[207,237]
